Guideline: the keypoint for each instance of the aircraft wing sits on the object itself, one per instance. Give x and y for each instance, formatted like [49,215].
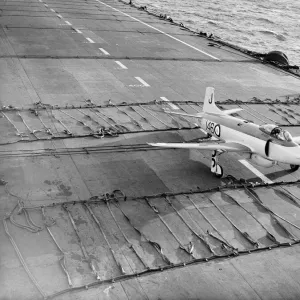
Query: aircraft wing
[296,139]
[229,146]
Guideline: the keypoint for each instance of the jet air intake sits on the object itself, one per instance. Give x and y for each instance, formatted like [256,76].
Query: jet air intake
[260,161]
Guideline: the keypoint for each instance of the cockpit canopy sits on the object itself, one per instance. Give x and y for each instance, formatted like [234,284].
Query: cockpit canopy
[276,132]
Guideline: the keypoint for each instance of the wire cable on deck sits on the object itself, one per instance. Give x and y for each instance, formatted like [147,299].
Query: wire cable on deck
[273,121]
[143,117]
[283,117]
[224,241]
[130,245]
[134,121]
[290,196]
[19,133]
[89,260]
[253,196]
[67,130]
[79,121]
[30,130]
[155,117]
[106,240]
[181,246]
[156,246]
[254,243]
[269,235]
[199,236]
[20,255]
[62,260]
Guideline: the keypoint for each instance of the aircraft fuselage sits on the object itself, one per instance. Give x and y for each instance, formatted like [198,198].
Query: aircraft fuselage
[232,129]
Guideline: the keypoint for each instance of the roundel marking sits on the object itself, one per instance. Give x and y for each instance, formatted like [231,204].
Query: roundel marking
[217,130]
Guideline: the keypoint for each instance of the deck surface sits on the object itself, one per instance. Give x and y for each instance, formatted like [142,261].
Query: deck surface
[83,85]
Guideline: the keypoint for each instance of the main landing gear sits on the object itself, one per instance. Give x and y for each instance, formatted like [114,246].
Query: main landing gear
[294,167]
[215,167]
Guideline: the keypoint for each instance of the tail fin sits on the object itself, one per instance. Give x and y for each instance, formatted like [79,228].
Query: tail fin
[209,102]
[210,107]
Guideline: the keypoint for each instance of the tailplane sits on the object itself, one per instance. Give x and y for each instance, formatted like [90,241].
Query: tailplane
[210,107]
[209,102]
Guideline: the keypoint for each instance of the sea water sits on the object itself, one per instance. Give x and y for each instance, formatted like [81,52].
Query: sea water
[257,25]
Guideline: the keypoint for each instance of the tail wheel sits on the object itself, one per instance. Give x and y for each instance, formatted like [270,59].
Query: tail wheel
[294,167]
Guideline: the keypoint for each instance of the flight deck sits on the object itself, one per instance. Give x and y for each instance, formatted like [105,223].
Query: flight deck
[90,210]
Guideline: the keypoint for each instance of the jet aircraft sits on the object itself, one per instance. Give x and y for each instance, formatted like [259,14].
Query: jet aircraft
[263,145]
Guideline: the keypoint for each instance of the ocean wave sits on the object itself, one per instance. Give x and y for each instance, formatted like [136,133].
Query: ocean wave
[265,20]
[261,27]
[280,37]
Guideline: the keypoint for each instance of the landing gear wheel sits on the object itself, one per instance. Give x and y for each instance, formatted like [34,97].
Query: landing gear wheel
[215,167]
[219,173]
[294,167]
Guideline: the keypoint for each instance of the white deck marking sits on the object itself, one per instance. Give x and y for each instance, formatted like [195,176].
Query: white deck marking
[142,81]
[166,34]
[67,22]
[120,64]
[52,9]
[59,16]
[255,171]
[78,31]
[90,40]
[104,51]
[171,104]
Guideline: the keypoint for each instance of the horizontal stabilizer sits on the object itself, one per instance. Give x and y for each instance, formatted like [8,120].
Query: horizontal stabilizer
[230,111]
[198,115]
[230,146]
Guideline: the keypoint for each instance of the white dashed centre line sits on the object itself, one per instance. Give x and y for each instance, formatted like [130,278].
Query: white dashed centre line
[90,40]
[104,51]
[52,9]
[46,5]
[78,31]
[142,81]
[166,34]
[171,104]
[255,171]
[59,16]
[120,64]
[67,22]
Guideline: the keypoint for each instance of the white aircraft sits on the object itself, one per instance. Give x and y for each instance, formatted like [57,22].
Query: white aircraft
[263,145]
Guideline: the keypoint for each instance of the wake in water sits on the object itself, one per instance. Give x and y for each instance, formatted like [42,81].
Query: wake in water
[251,24]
